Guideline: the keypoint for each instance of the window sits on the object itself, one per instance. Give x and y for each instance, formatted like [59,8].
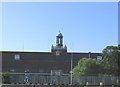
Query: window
[56,72]
[41,70]
[12,70]
[17,57]
[26,70]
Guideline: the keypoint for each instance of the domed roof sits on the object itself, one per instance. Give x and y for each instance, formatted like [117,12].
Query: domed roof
[59,34]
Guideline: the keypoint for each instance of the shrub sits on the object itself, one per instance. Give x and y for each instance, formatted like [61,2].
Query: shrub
[15,83]
[54,84]
[48,83]
[67,84]
[81,83]
[75,84]
[31,83]
[23,83]
[6,78]
[41,83]
[19,83]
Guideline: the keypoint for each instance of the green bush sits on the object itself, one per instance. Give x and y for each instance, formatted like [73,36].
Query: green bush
[31,83]
[54,84]
[6,78]
[75,84]
[15,83]
[48,83]
[23,82]
[81,83]
[19,83]
[67,84]
[41,84]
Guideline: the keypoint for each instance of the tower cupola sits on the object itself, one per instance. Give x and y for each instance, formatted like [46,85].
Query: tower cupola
[59,39]
[58,49]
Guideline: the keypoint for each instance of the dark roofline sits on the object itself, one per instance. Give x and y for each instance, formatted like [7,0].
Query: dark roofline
[46,52]
[81,53]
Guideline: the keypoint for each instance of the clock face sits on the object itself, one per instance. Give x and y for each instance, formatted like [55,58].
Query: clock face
[57,53]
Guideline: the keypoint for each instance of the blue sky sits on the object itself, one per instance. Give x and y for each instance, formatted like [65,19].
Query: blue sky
[86,26]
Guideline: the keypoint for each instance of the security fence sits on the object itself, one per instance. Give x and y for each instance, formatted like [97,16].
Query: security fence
[66,79]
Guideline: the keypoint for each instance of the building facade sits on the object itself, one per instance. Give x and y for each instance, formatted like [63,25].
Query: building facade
[43,62]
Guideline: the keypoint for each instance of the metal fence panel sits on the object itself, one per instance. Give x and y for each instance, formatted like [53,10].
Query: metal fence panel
[80,80]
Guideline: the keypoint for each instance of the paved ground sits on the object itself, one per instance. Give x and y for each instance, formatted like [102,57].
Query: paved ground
[22,85]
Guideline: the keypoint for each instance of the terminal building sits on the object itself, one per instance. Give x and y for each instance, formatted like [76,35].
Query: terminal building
[43,62]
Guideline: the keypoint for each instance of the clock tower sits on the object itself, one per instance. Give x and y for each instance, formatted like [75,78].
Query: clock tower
[58,49]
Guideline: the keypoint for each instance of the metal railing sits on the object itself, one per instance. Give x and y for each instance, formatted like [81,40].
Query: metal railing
[79,80]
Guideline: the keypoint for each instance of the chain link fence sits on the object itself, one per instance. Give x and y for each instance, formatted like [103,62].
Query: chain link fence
[79,80]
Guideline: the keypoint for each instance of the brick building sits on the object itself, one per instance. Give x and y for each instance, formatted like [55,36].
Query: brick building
[43,62]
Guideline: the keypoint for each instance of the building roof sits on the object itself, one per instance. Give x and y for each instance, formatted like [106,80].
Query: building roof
[59,34]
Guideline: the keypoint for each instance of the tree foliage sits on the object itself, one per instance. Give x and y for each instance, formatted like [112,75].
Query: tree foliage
[110,60]
[6,79]
[87,67]
[119,60]
[92,67]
